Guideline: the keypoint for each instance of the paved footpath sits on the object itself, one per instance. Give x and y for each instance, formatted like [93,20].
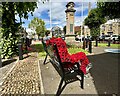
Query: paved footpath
[24,78]
[51,80]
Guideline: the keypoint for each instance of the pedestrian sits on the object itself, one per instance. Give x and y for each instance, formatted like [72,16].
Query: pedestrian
[28,42]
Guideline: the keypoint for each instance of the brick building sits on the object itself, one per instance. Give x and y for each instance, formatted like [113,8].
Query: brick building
[111,27]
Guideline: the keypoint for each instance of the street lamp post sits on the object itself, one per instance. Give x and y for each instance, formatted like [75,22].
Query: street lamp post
[82,21]
[50,19]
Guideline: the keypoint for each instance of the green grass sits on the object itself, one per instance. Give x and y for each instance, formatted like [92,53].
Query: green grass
[70,50]
[111,45]
[75,50]
[38,47]
[41,52]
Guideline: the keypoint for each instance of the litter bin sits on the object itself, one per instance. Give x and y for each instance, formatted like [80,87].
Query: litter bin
[109,41]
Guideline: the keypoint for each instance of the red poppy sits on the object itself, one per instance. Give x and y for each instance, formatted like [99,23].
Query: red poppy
[66,57]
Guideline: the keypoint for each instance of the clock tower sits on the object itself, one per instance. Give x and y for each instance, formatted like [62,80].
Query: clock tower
[70,18]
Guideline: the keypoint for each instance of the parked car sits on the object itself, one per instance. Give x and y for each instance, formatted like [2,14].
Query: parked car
[115,37]
[107,37]
[101,38]
[89,38]
[78,38]
[63,37]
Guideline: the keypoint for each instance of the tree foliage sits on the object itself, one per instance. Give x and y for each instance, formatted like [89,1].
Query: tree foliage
[109,9]
[38,25]
[94,20]
[23,8]
[11,27]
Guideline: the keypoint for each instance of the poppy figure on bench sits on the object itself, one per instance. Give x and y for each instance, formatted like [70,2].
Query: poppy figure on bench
[66,57]
[68,66]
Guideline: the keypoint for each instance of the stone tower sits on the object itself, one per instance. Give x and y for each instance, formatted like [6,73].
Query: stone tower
[70,18]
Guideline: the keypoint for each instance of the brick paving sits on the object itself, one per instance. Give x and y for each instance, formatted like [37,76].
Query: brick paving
[24,78]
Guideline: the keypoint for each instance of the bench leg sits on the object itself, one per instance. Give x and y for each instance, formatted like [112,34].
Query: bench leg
[45,59]
[60,88]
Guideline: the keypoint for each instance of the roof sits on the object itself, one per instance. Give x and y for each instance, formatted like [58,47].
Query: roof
[69,3]
[77,28]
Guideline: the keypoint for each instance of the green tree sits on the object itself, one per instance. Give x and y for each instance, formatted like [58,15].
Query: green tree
[38,25]
[94,20]
[10,30]
[109,9]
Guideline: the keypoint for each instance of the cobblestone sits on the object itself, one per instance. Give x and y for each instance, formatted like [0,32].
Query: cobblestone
[24,78]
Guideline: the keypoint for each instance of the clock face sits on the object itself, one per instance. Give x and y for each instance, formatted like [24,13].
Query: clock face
[71,14]
[71,6]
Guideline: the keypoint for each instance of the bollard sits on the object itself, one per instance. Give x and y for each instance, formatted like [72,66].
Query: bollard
[20,51]
[96,45]
[109,42]
[113,40]
[90,46]
[84,44]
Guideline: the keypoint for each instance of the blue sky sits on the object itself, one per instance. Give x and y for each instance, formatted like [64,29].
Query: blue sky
[58,15]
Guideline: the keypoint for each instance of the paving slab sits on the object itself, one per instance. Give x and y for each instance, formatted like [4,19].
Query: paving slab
[51,80]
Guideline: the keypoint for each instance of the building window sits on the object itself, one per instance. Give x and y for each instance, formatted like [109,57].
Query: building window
[103,28]
[71,28]
[110,27]
[109,33]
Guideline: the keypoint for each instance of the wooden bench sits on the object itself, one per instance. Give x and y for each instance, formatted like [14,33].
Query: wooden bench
[67,75]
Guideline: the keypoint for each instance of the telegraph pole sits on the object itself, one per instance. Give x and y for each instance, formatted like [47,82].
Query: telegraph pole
[89,7]
[82,21]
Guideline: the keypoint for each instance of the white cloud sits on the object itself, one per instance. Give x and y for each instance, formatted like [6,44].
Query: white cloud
[58,11]
[47,21]
[58,14]
[41,7]
[71,0]
[79,20]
